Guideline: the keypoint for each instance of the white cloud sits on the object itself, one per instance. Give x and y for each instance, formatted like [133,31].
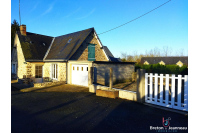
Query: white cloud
[48,10]
[35,6]
[87,15]
[72,13]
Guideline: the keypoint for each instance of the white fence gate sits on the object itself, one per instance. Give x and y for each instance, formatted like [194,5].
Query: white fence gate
[168,91]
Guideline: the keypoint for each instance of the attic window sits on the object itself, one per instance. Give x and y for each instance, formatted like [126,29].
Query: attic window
[69,40]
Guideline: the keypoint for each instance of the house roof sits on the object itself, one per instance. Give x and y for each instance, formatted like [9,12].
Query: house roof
[65,46]
[37,47]
[166,60]
[110,55]
[34,46]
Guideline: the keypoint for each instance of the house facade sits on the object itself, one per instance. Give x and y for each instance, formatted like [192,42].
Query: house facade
[66,58]
[172,60]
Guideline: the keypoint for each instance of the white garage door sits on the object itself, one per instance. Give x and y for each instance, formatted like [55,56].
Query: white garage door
[80,75]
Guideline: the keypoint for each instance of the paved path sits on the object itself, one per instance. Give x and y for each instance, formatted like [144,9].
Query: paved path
[66,112]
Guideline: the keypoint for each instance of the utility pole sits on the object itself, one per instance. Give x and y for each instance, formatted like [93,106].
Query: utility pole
[19,13]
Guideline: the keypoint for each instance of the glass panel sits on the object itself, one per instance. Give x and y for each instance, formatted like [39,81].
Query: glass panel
[81,68]
[13,68]
[56,71]
[40,71]
[40,67]
[77,68]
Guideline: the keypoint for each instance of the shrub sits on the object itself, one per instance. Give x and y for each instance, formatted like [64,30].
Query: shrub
[163,69]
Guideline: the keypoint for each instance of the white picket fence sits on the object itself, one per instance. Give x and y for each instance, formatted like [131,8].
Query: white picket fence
[167,91]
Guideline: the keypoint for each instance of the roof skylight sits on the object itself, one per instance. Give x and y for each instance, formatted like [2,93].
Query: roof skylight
[69,40]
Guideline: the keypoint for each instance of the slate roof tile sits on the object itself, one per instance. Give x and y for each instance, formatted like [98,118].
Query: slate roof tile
[62,49]
[34,46]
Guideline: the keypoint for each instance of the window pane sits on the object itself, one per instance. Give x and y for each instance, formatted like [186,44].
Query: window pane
[40,71]
[77,68]
[40,67]
[56,70]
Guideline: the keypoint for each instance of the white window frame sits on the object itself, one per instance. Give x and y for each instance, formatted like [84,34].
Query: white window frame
[54,71]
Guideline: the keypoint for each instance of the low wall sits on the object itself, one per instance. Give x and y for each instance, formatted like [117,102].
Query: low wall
[129,95]
[47,84]
[124,94]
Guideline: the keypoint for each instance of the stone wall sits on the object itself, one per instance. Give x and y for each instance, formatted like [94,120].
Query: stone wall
[82,52]
[47,70]
[21,67]
[121,72]
[62,71]
[48,84]
[30,70]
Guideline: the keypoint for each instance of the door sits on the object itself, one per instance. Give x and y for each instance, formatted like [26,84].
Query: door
[38,73]
[80,75]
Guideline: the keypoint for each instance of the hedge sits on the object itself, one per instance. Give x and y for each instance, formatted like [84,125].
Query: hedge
[163,69]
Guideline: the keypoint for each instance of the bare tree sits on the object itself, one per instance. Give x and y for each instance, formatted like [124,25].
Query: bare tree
[180,52]
[156,52]
[123,56]
[167,51]
[130,58]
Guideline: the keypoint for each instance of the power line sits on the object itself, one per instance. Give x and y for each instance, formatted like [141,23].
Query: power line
[136,18]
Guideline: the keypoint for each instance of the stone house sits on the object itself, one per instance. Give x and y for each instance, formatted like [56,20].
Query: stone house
[171,60]
[67,58]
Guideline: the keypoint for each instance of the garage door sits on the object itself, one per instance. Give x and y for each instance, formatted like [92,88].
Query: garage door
[80,75]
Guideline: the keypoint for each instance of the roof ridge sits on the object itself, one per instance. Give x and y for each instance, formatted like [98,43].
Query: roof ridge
[74,32]
[39,34]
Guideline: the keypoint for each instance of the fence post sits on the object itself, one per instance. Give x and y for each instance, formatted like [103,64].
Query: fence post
[92,87]
[179,91]
[111,78]
[173,90]
[141,85]
[91,76]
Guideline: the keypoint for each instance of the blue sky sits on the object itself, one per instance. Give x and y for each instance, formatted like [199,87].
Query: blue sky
[166,26]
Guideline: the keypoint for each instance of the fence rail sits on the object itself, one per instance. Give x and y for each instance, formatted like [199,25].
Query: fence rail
[168,91]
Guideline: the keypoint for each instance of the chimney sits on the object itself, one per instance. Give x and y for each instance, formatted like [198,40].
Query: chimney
[23,30]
